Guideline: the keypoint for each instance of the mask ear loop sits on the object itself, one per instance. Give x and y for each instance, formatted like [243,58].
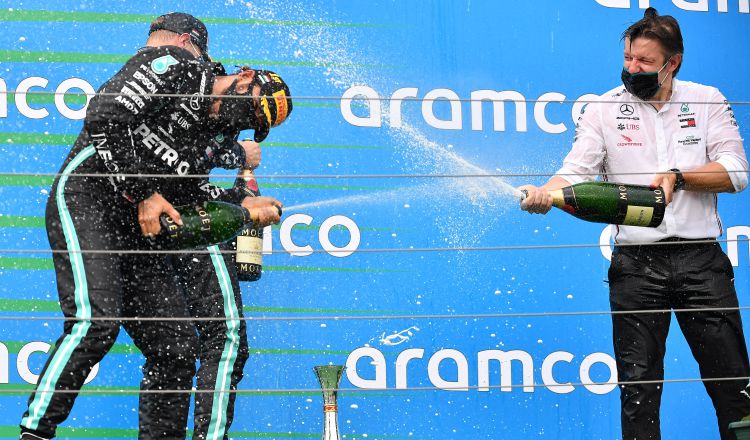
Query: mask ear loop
[202,56]
[662,68]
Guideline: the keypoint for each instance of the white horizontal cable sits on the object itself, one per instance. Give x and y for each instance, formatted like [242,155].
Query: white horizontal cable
[375,317]
[357,98]
[380,390]
[374,250]
[358,176]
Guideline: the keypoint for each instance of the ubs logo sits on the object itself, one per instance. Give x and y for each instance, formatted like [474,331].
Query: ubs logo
[627,110]
[628,126]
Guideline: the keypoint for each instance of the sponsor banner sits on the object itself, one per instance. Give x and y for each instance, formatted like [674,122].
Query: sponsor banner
[402,253]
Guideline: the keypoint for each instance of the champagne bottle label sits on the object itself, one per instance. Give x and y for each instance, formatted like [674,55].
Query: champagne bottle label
[249,244]
[249,249]
[638,216]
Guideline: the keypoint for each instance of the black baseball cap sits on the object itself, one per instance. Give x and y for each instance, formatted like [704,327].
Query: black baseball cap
[182,23]
[275,101]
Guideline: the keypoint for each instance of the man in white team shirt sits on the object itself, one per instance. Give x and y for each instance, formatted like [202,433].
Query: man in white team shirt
[682,136]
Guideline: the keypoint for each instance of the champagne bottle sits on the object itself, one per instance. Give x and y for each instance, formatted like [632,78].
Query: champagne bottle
[613,203]
[249,243]
[203,224]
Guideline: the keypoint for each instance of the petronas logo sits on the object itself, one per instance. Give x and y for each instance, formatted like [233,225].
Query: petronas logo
[685,108]
[161,64]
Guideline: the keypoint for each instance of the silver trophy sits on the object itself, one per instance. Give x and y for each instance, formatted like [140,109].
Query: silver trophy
[329,377]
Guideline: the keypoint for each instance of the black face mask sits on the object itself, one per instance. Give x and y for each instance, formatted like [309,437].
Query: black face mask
[238,113]
[644,85]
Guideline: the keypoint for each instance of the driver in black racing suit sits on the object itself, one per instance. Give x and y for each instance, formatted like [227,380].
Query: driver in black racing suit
[209,282]
[209,278]
[148,146]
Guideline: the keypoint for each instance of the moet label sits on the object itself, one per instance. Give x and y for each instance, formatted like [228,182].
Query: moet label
[638,215]
[249,250]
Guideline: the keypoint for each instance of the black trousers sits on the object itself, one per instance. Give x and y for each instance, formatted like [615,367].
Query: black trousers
[677,275]
[208,288]
[95,290]
[212,290]
[169,344]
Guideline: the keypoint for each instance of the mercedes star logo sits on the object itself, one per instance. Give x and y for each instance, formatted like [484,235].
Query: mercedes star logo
[626,109]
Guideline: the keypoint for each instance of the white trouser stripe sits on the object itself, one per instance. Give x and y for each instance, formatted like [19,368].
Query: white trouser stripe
[48,382]
[217,427]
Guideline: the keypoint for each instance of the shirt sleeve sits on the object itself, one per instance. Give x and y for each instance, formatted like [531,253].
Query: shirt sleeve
[117,118]
[586,157]
[724,144]
[225,152]
[209,191]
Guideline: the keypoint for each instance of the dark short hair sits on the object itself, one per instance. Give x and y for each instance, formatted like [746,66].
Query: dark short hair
[661,28]
[183,23]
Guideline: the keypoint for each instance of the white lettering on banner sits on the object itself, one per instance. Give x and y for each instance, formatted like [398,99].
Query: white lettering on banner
[373,102]
[461,383]
[3,99]
[402,361]
[505,358]
[733,235]
[64,87]
[478,98]
[4,361]
[733,243]
[395,105]
[455,122]
[22,105]
[498,106]
[285,236]
[462,367]
[548,375]
[695,5]
[605,243]
[541,118]
[22,362]
[59,97]
[354,236]
[585,370]
[378,361]
[643,4]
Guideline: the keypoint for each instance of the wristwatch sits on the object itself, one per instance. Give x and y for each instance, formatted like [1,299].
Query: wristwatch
[679,182]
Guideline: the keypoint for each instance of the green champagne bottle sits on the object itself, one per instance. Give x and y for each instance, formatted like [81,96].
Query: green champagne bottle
[203,224]
[613,203]
[249,244]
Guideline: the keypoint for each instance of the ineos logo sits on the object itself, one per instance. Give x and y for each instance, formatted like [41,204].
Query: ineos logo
[626,109]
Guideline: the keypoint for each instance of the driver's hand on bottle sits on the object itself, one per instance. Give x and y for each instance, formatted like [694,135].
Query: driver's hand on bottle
[264,210]
[666,181]
[252,153]
[149,211]
[537,201]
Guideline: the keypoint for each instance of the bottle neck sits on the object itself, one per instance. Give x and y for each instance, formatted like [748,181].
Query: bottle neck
[558,199]
[246,217]
[247,183]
